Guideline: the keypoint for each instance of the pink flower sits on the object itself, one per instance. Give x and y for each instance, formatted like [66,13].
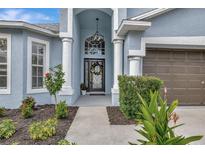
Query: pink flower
[47,74]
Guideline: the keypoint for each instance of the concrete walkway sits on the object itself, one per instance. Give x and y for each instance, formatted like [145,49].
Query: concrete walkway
[91,126]
[94,100]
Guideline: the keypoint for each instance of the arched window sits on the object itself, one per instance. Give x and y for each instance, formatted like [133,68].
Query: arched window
[94,47]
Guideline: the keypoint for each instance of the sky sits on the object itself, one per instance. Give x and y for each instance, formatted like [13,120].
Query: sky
[31,15]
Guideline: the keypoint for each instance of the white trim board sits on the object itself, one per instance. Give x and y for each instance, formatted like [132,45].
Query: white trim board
[151,14]
[29,65]
[8,89]
[20,24]
[181,40]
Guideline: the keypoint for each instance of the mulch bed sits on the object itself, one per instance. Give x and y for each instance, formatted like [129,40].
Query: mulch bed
[116,117]
[42,112]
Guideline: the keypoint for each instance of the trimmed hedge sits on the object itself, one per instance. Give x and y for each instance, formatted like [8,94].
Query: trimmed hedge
[130,86]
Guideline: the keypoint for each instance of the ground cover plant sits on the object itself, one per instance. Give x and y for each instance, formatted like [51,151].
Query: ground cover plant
[7,128]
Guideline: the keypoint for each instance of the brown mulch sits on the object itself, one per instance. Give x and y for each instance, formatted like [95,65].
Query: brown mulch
[116,117]
[42,112]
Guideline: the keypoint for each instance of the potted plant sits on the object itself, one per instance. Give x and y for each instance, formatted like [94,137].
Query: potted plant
[83,89]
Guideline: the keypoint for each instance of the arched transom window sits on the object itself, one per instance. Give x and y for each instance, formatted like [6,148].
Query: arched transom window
[94,47]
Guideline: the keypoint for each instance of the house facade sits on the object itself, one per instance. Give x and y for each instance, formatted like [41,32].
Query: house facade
[94,46]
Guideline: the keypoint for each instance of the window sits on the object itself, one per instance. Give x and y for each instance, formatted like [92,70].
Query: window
[5,49]
[94,47]
[38,64]
[38,54]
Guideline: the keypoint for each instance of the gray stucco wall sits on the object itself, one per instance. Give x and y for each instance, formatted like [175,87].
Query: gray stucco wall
[76,59]
[132,12]
[63,19]
[55,59]
[19,67]
[12,100]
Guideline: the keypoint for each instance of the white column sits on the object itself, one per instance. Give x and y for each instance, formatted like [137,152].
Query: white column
[67,66]
[118,47]
[135,66]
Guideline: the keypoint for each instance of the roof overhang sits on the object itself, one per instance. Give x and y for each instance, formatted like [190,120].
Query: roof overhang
[24,25]
[132,25]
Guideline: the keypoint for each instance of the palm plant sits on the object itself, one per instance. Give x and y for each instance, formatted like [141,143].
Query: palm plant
[154,118]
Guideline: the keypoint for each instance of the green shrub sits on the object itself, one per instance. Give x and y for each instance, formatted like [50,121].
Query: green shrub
[26,111]
[129,87]
[65,142]
[7,128]
[2,111]
[155,118]
[43,129]
[30,101]
[27,107]
[61,110]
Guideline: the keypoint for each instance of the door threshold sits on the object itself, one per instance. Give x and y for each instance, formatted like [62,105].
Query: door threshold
[96,93]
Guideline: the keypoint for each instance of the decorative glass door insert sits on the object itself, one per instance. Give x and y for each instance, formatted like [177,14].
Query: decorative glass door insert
[94,74]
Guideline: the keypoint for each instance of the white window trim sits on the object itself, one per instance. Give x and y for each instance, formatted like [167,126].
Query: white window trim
[8,89]
[29,64]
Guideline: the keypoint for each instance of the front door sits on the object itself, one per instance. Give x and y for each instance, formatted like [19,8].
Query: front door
[94,75]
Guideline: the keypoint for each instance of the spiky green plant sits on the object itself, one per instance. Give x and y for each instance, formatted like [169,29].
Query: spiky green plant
[155,117]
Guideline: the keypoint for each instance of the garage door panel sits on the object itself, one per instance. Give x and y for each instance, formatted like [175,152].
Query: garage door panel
[194,55]
[182,71]
[149,69]
[193,70]
[179,83]
[163,69]
[179,69]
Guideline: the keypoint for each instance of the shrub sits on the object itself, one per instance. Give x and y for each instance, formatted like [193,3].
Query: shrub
[7,128]
[155,118]
[61,110]
[27,107]
[129,87]
[65,142]
[2,111]
[43,129]
[54,80]
[26,111]
[30,101]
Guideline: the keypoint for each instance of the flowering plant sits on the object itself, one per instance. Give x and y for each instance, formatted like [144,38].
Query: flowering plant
[54,80]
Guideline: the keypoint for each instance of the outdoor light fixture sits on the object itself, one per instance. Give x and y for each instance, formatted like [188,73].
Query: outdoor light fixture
[97,37]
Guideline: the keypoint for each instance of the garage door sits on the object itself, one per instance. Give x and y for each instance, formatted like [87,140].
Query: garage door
[183,72]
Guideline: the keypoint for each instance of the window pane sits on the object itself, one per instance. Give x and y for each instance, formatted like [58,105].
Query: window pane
[3,82]
[34,82]
[34,59]
[3,57]
[3,69]
[34,71]
[40,71]
[41,49]
[40,82]
[40,60]
[34,48]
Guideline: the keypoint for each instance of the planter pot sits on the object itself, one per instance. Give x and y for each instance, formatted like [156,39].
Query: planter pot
[83,92]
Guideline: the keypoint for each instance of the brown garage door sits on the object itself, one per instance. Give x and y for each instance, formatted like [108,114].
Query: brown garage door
[183,72]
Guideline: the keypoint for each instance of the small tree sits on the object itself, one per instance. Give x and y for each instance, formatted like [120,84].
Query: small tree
[54,80]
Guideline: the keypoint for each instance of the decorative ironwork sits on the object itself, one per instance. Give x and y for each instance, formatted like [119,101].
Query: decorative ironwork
[96,68]
[95,44]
